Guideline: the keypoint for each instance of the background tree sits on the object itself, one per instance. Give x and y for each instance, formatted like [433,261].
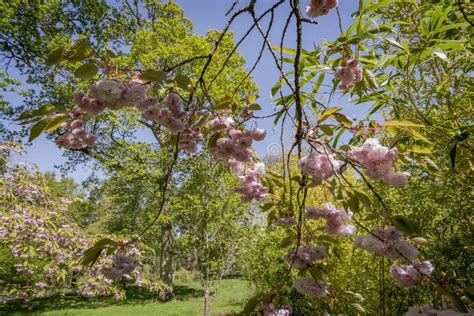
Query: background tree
[211,221]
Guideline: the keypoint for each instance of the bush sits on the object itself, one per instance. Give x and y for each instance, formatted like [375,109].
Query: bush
[185,276]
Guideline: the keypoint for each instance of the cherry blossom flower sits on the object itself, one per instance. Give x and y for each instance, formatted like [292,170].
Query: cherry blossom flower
[388,243]
[304,256]
[320,7]
[349,74]
[378,162]
[311,287]
[410,275]
[335,219]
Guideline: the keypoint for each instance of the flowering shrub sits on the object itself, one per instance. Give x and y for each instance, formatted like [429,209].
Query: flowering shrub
[47,248]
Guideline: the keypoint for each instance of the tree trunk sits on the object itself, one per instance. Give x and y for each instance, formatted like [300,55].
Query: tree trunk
[206,298]
[153,268]
[193,259]
[166,255]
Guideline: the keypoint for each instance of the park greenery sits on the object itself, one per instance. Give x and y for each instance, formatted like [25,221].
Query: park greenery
[352,216]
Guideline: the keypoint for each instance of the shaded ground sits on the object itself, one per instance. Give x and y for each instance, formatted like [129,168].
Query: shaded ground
[230,299]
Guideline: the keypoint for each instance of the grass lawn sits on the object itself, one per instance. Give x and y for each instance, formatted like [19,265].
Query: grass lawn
[230,299]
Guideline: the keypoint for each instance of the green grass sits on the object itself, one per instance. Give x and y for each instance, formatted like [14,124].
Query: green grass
[230,299]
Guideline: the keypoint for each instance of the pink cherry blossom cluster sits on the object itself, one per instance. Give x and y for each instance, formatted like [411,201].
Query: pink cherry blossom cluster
[107,274]
[110,94]
[349,74]
[114,95]
[233,143]
[320,7]
[99,285]
[335,219]
[411,275]
[430,311]
[250,187]
[319,166]
[122,266]
[233,147]
[188,139]
[271,310]
[285,221]
[172,116]
[387,242]
[304,256]
[75,135]
[378,162]
[311,287]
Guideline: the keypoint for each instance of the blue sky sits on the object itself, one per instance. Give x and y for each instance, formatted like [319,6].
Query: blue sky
[210,14]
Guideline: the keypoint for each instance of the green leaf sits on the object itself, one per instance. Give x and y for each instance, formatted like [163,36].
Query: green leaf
[55,57]
[276,87]
[285,50]
[37,129]
[86,71]
[254,107]
[224,104]
[358,308]
[353,202]
[26,115]
[395,43]
[55,122]
[183,82]
[428,164]
[43,110]
[401,123]
[440,54]
[371,79]
[327,130]
[267,206]
[406,225]
[420,150]
[92,254]
[110,54]
[218,127]
[213,139]
[327,113]
[356,296]
[152,75]
[449,27]
[417,134]
[79,50]
[363,198]
[251,98]
[344,120]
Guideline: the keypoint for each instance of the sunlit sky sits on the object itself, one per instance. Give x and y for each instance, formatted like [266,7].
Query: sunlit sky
[210,14]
